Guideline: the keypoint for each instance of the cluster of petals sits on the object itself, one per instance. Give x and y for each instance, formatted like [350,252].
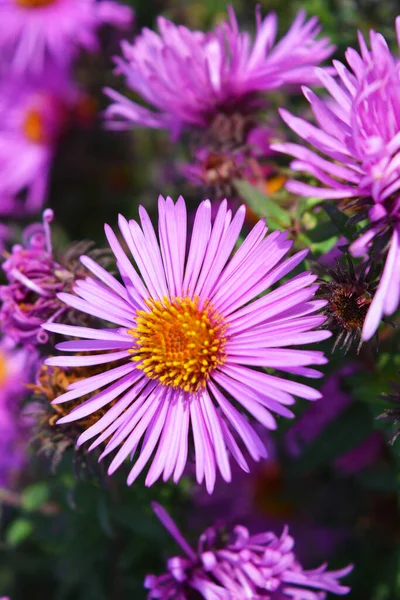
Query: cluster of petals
[357,139]
[33,112]
[34,278]
[187,77]
[15,368]
[243,567]
[35,32]
[145,416]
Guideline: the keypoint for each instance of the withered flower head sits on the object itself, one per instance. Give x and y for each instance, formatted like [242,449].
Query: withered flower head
[349,293]
[53,439]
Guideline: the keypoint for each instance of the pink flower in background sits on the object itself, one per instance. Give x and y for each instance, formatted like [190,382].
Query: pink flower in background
[358,136]
[33,32]
[189,77]
[34,279]
[233,564]
[32,117]
[188,331]
[16,369]
[312,423]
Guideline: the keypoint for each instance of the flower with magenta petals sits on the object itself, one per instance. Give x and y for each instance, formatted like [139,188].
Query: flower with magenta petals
[189,77]
[35,277]
[358,136]
[33,113]
[34,32]
[235,565]
[16,367]
[189,328]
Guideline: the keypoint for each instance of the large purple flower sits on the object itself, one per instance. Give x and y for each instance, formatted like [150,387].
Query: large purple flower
[235,565]
[32,117]
[189,330]
[359,132]
[35,31]
[16,367]
[188,77]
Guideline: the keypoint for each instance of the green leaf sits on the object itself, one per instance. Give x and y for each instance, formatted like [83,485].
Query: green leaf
[34,496]
[18,531]
[264,206]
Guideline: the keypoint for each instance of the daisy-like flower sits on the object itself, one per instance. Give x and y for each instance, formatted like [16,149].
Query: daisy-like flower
[357,142]
[16,367]
[36,31]
[235,565]
[188,331]
[223,71]
[33,114]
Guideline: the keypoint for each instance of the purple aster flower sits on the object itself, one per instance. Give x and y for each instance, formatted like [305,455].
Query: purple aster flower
[16,366]
[188,331]
[35,31]
[32,117]
[236,565]
[35,277]
[359,133]
[223,71]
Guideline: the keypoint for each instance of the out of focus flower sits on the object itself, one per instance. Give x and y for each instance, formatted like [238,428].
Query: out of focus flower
[16,367]
[188,334]
[35,277]
[34,32]
[311,424]
[349,294]
[227,155]
[190,77]
[236,565]
[33,114]
[315,419]
[359,131]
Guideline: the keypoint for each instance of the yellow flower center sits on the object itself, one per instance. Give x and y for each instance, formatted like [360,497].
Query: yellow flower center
[179,343]
[34,127]
[3,368]
[34,3]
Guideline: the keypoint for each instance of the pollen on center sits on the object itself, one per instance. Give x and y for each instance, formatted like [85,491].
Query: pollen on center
[33,126]
[179,343]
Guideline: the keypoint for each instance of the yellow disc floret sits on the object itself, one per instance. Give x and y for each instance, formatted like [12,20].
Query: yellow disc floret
[34,3]
[179,343]
[34,127]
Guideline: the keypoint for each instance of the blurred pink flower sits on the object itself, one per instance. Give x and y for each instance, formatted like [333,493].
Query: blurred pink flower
[16,369]
[33,113]
[33,32]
